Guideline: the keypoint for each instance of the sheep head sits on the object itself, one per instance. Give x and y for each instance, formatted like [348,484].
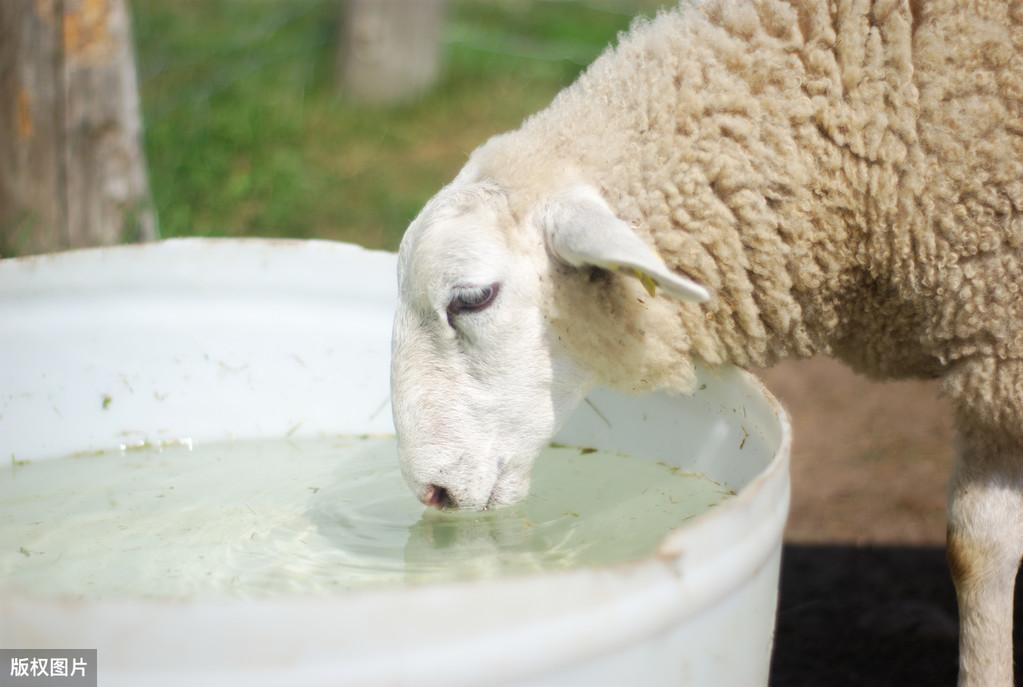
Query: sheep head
[480,382]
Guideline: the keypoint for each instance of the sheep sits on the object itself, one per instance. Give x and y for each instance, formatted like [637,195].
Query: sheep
[839,177]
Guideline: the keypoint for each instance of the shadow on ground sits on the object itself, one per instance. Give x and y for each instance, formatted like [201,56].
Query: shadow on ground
[874,616]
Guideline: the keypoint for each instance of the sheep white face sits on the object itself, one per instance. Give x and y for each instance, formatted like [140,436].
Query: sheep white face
[478,387]
[479,383]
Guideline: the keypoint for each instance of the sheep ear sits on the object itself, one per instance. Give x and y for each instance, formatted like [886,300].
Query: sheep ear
[580,229]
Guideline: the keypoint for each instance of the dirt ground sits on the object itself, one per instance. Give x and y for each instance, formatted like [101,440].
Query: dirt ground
[870,460]
[866,598]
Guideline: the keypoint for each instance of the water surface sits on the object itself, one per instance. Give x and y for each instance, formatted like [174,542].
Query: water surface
[275,518]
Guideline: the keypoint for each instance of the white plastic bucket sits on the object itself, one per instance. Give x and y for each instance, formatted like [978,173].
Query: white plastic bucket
[219,339]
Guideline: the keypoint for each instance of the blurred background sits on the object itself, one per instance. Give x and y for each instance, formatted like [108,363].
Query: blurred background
[317,118]
[143,119]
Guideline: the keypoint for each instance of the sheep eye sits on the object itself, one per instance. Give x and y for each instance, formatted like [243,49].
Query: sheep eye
[471,299]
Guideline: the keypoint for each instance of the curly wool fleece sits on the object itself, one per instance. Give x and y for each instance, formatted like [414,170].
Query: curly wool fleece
[847,177]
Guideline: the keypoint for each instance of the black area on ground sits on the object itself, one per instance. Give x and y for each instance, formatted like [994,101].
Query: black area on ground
[877,616]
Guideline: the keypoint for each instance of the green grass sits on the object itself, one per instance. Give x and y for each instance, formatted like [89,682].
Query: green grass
[245,135]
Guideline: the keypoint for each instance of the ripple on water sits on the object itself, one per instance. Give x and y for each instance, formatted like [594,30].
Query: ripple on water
[268,518]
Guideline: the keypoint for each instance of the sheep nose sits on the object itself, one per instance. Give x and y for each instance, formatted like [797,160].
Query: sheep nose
[437,497]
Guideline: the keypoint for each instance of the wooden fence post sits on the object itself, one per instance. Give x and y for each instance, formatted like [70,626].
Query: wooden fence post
[389,50]
[72,169]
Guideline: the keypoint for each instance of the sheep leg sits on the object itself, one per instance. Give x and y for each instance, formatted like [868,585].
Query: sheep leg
[985,543]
